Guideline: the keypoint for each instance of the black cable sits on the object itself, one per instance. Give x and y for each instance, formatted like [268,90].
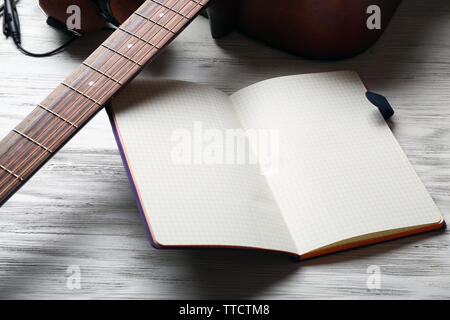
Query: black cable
[12,28]
[3,6]
[45,54]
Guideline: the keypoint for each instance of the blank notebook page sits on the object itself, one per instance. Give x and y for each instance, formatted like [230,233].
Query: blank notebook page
[194,204]
[342,174]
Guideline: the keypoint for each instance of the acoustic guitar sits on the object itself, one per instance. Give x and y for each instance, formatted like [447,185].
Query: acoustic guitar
[332,28]
[317,29]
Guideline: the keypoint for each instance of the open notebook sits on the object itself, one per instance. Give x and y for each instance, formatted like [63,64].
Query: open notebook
[329,175]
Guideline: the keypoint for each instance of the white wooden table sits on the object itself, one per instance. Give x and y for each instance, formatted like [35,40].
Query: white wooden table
[79,211]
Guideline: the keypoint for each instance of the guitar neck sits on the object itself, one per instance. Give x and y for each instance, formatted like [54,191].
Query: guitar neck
[90,87]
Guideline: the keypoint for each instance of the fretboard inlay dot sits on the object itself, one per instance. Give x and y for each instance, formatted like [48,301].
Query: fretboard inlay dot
[90,87]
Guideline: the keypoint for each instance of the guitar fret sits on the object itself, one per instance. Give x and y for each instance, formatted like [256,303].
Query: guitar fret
[152,21]
[137,37]
[103,60]
[32,140]
[170,9]
[102,73]
[78,98]
[11,173]
[58,116]
[81,93]
[120,54]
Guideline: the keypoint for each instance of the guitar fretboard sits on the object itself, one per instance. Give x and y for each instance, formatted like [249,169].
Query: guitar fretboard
[90,87]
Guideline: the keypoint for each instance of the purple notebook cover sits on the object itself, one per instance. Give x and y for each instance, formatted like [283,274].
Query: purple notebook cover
[130,177]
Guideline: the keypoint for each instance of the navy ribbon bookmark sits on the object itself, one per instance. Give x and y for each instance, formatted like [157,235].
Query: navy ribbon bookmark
[381,103]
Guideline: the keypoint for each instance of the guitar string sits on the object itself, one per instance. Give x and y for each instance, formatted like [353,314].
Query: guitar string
[52,120]
[164,5]
[197,5]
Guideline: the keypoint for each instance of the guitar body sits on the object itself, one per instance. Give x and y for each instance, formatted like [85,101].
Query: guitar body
[329,29]
[317,29]
[91,19]
[90,14]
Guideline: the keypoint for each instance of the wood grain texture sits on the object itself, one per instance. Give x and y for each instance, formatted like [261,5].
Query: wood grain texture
[79,209]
